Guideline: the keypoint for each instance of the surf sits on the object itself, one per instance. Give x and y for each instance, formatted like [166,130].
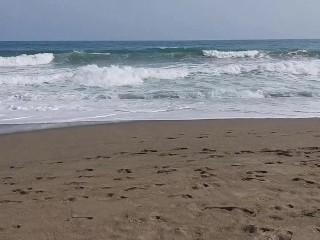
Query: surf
[26,60]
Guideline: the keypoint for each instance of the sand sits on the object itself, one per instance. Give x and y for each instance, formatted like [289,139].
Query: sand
[212,179]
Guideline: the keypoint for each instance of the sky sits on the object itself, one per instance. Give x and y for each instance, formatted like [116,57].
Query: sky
[158,19]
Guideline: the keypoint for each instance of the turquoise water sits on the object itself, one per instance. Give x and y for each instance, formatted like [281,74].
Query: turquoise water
[49,82]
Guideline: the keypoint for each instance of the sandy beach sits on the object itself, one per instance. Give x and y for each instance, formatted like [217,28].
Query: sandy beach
[208,179]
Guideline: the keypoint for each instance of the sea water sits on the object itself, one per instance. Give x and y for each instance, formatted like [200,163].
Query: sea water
[59,82]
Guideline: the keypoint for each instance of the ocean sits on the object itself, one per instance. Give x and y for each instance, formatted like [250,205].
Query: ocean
[65,82]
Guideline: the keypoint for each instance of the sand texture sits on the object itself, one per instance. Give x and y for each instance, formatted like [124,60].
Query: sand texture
[212,179]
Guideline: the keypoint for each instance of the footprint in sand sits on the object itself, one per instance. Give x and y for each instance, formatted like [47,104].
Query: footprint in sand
[59,162]
[313,213]
[270,233]
[158,218]
[208,150]
[81,217]
[15,167]
[102,157]
[149,151]
[304,180]
[167,154]
[203,137]
[124,170]
[205,172]
[20,191]
[250,229]
[200,186]
[166,171]
[185,196]
[10,201]
[258,175]
[231,209]
[244,152]
[134,188]
[180,148]
[51,178]
[159,184]
[120,179]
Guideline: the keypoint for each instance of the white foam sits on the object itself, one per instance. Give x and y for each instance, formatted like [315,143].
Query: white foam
[294,53]
[230,93]
[311,68]
[91,53]
[168,48]
[232,54]
[97,53]
[28,79]
[292,67]
[92,75]
[26,60]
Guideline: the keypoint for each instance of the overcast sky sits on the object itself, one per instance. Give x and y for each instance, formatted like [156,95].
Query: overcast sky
[158,19]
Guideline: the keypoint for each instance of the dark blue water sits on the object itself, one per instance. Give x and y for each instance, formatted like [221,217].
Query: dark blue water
[17,48]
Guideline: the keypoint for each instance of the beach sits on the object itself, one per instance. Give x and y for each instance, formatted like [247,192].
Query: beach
[202,179]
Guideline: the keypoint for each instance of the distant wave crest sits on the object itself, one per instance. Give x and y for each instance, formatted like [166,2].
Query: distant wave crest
[232,54]
[26,60]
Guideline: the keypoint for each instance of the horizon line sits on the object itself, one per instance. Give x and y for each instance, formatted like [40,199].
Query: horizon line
[154,40]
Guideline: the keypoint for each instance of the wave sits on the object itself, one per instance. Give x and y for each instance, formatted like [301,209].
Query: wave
[25,79]
[97,53]
[91,53]
[178,54]
[232,54]
[292,67]
[150,54]
[311,68]
[163,48]
[295,53]
[210,94]
[92,75]
[26,60]
[218,93]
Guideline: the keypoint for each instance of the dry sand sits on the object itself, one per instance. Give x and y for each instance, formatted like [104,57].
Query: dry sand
[215,179]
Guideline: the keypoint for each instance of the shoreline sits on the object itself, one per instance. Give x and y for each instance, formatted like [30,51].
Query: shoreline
[30,127]
[204,179]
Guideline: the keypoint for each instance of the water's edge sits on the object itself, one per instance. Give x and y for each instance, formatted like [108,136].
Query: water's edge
[18,128]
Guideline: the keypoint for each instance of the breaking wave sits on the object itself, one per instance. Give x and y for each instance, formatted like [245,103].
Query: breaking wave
[311,68]
[211,94]
[219,93]
[232,54]
[93,75]
[26,60]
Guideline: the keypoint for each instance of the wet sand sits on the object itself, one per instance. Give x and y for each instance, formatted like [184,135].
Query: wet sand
[211,179]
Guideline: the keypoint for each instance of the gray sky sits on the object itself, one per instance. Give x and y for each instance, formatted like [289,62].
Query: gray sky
[158,19]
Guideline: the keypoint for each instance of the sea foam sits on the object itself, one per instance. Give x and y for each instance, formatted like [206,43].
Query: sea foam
[232,54]
[26,60]
[308,68]
[92,75]
[21,79]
